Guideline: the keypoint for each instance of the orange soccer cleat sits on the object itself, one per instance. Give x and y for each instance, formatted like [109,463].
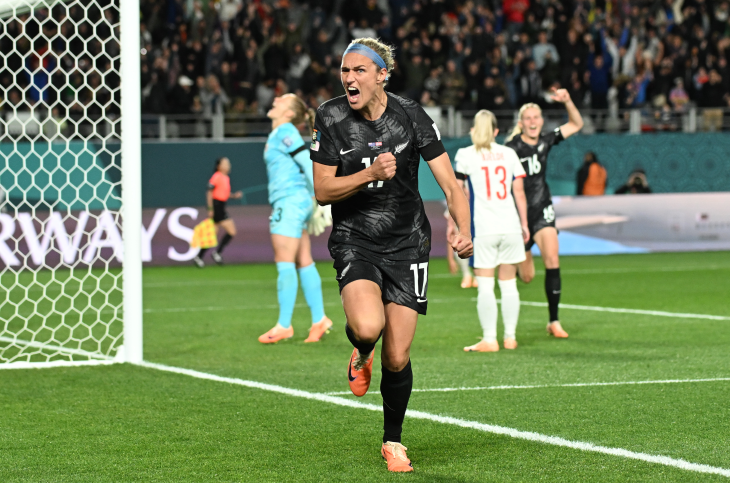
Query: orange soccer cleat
[510,344]
[276,334]
[468,281]
[319,329]
[483,346]
[395,456]
[359,372]
[556,330]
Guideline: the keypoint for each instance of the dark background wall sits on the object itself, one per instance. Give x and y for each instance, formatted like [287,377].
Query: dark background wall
[175,174]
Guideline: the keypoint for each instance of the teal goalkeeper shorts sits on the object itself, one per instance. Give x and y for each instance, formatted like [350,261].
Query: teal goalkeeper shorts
[289,215]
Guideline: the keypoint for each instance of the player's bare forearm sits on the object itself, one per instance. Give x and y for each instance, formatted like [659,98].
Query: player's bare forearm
[456,201]
[329,188]
[575,120]
[518,189]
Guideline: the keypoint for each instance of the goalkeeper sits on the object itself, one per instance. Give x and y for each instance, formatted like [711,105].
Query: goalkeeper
[294,215]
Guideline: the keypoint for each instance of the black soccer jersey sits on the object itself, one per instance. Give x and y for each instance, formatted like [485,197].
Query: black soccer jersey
[386,217]
[534,160]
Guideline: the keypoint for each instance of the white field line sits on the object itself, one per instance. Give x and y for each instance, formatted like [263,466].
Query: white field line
[541,386]
[487,428]
[588,271]
[656,313]
[50,364]
[52,347]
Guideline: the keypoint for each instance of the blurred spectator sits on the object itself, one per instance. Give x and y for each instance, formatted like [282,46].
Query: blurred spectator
[213,98]
[491,95]
[592,178]
[678,96]
[599,77]
[542,49]
[636,184]
[453,85]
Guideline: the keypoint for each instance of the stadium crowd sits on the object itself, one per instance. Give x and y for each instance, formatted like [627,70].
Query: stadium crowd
[235,56]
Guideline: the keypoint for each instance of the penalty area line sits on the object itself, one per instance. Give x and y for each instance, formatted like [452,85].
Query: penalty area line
[487,428]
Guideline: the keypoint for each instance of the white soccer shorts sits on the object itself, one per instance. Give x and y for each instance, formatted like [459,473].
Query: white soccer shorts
[493,250]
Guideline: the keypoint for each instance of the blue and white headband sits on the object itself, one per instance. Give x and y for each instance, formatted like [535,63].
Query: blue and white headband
[367,52]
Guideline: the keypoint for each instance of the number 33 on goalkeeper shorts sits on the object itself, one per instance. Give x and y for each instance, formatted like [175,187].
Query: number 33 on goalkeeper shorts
[420,289]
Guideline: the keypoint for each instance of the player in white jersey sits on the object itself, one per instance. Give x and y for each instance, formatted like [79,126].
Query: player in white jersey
[492,173]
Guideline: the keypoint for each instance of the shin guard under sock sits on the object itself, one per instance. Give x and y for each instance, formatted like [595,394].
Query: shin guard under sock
[312,288]
[286,290]
[552,291]
[224,241]
[395,388]
[362,347]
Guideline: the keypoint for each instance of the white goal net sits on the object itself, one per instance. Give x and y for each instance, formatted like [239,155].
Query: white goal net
[61,244]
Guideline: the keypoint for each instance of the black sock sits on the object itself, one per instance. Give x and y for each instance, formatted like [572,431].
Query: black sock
[552,290]
[224,241]
[201,253]
[363,347]
[395,387]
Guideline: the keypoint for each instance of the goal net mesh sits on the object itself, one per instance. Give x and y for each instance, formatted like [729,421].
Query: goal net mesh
[60,181]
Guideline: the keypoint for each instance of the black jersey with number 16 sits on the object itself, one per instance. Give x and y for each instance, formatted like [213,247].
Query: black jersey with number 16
[386,217]
[534,160]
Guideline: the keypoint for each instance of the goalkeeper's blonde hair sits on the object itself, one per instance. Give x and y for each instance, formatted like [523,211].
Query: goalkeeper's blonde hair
[302,113]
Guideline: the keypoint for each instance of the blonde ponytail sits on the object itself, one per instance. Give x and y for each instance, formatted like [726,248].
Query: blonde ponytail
[482,135]
[301,112]
[518,126]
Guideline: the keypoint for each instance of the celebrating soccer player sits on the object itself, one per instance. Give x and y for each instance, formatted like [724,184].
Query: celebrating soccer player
[500,231]
[219,191]
[291,194]
[366,149]
[533,147]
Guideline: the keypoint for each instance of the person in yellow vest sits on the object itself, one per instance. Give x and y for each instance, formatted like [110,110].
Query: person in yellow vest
[592,178]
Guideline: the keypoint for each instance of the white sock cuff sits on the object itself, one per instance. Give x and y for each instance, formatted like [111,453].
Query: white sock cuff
[508,286]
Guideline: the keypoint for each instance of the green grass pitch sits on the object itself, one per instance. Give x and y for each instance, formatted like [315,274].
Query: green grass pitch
[122,423]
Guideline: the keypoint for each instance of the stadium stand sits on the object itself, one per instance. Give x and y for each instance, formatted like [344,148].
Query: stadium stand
[205,59]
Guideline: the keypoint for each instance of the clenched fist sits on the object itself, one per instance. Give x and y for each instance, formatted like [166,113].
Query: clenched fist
[383,168]
[462,245]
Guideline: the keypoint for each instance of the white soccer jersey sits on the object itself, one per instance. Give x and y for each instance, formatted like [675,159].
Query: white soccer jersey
[489,175]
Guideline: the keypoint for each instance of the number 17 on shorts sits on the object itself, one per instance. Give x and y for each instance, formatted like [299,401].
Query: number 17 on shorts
[420,274]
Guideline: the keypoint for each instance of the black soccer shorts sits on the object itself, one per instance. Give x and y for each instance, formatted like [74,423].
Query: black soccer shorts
[404,282]
[538,219]
[219,211]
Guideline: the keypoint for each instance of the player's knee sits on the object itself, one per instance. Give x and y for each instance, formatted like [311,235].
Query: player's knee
[395,362]
[366,333]
[526,277]
[551,261]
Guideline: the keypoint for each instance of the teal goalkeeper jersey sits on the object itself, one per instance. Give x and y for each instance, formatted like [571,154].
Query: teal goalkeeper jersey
[287,164]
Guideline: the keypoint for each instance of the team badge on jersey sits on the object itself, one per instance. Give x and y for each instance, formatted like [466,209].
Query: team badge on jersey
[401,147]
[287,141]
[375,145]
[315,140]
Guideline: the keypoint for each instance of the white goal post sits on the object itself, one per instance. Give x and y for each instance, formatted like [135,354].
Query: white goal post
[70,183]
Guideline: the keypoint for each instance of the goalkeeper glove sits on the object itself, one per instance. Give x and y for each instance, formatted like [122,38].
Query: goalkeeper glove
[321,218]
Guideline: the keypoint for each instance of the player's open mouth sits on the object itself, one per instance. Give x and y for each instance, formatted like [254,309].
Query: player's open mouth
[353,94]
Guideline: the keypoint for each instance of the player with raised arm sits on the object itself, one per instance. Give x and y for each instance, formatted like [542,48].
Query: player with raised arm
[291,194]
[492,173]
[532,146]
[366,149]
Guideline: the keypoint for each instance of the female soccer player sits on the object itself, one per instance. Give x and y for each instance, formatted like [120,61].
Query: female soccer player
[219,191]
[291,195]
[366,150]
[499,230]
[533,147]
